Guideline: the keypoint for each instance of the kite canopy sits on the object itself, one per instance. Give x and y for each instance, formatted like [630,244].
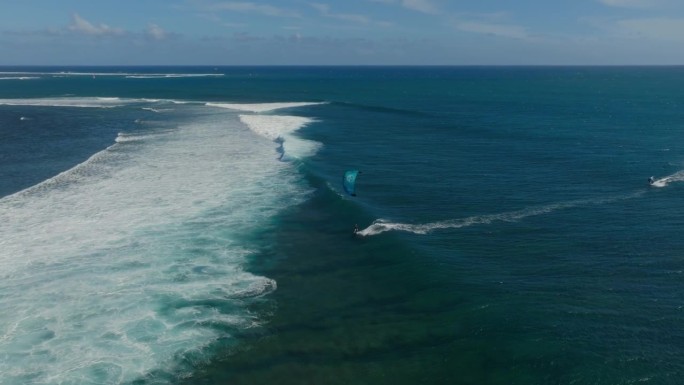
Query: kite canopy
[349,182]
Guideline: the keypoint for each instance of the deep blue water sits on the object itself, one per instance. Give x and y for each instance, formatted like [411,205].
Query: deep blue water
[188,225]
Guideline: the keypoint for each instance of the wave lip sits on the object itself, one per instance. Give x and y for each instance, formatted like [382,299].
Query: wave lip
[261,107]
[278,128]
[281,129]
[273,126]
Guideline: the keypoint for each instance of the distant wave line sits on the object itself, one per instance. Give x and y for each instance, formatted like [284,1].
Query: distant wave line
[84,102]
[72,101]
[381,226]
[19,77]
[157,110]
[379,109]
[167,76]
[88,102]
[109,102]
[123,74]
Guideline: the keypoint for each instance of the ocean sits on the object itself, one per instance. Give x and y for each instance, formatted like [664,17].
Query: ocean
[188,225]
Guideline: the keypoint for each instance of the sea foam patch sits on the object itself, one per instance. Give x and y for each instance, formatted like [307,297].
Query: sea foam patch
[130,264]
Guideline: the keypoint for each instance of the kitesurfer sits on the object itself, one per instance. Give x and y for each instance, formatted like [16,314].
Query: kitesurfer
[651,180]
[356,228]
[349,182]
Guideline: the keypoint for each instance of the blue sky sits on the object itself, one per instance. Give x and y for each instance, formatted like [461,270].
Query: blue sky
[350,32]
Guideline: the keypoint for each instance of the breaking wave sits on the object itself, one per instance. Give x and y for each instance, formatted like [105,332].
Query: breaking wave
[131,263]
[261,107]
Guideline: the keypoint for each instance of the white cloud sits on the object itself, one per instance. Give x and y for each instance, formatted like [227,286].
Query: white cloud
[249,7]
[324,9]
[502,30]
[156,32]
[632,3]
[663,29]
[83,26]
[424,6]
[493,24]
[657,28]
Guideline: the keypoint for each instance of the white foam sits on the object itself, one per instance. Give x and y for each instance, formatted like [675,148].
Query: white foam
[381,225]
[261,107]
[273,126]
[157,110]
[141,136]
[132,260]
[281,128]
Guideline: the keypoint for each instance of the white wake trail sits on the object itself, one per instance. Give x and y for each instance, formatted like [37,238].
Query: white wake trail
[381,226]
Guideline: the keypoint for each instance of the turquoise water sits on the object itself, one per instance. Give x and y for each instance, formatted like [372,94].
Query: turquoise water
[189,226]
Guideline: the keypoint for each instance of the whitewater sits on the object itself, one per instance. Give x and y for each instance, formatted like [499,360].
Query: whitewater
[131,264]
